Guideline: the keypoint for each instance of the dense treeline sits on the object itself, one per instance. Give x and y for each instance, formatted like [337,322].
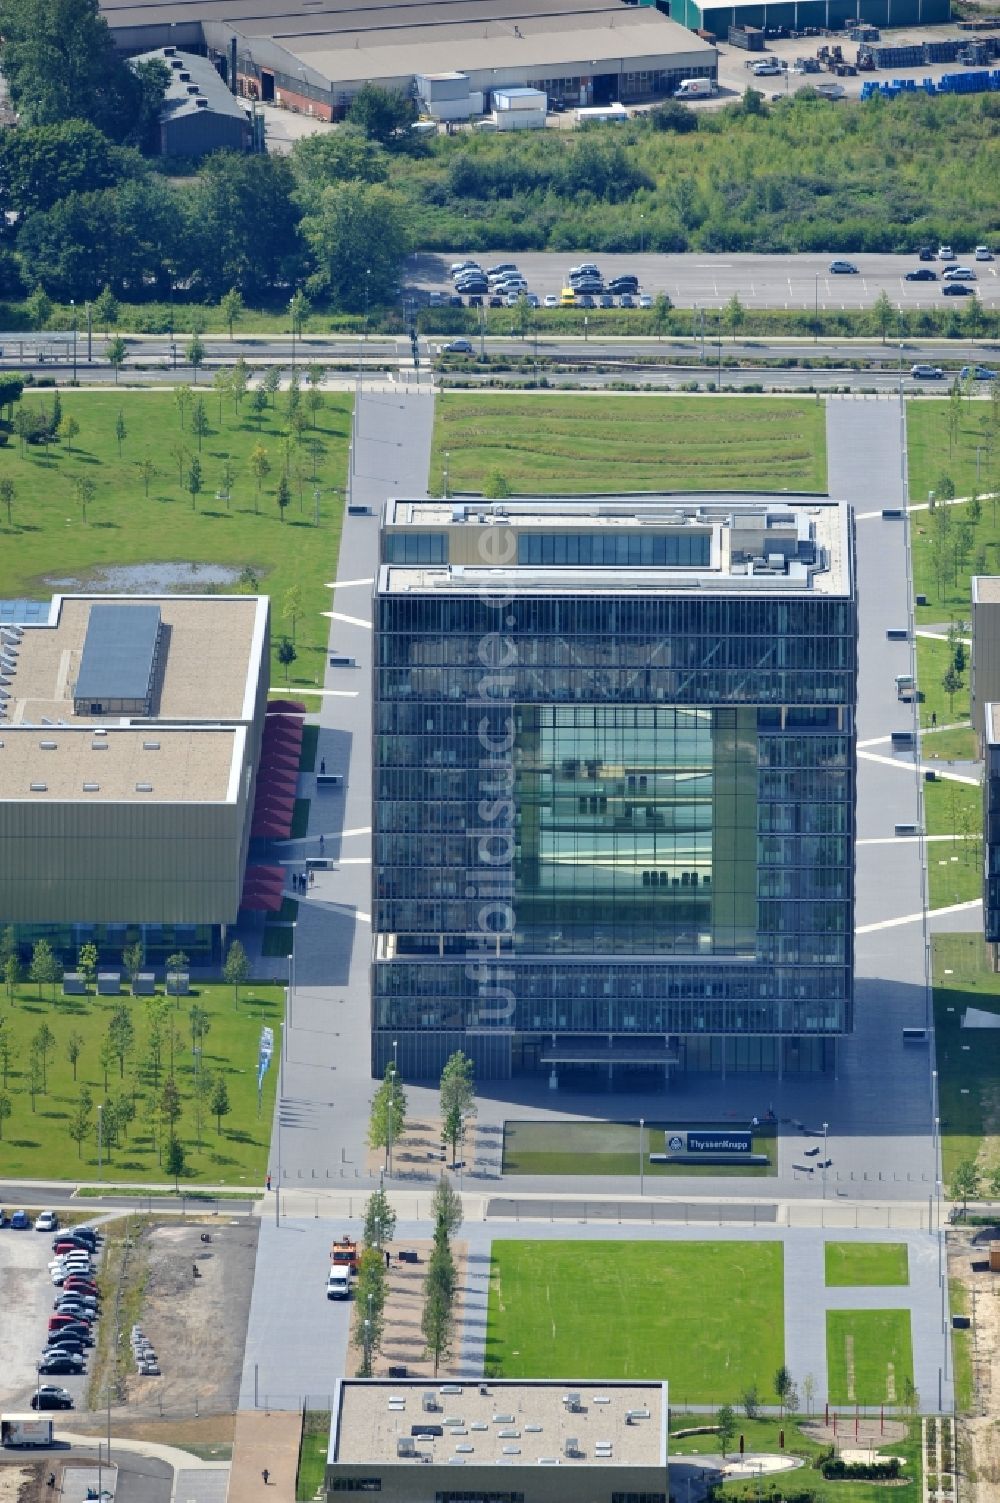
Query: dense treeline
[82,208]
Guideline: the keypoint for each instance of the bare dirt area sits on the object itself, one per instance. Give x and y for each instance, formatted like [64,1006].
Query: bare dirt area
[403,1343]
[20,1483]
[197,1325]
[979,1431]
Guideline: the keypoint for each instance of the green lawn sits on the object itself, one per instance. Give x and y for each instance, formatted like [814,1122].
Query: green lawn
[312,1453]
[933,657]
[949,746]
[966,1061]
[954,866]
[639,1310]
[763,1436]
[850,1263]
[961,1348]
[932,455]
[568,444]
[613,1148]
[868,1356]
[37,1142]
[48,539]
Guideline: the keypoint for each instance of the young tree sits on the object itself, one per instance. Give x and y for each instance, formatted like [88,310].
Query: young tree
[884,314]
[7,494]
[194,481]
[105,309]
[175,1161]
[42,1043]
[496,486]
[725,1424]
[81,1123]
[68,430]
[85,490]
[147,472]
[458,1104]
[36,1082]
[45,968]
[965,1183]
[291,606]
[170,1104]
[121,1036]
[182,454]
[195,355]
[446,1207]
[437,1322]
[6,1047]
[750,1399]
[121,431]
[239,380]
[388,1113]
[369,1307]
[106,1059]
[299,308]
[199,421]
[39,307]
[258,404]
[74,1048]
[380,1221]
[182,396]
[286,655]
[226,480]
[283,496]
[13,974]
[6,1108]
[219,1103]
[133,957]
[783,1387]
[236,971]
[222,382]
[314,402]
[116,351]
[260,466]
[270,381]
[809,1391]
[199,1023]
[951,683]
[86,962]
[124,1108]
[735,315]
[230,307]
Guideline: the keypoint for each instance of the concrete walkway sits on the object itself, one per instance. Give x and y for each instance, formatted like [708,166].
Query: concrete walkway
[265,1440]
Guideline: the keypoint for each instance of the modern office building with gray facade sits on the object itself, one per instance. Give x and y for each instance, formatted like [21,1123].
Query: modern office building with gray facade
[614,785]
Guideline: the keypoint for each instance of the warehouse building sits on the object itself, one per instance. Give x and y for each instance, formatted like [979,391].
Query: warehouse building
[614,786]
[582,52]
[198,114]
[717,16]
[130,735]
[504,1441]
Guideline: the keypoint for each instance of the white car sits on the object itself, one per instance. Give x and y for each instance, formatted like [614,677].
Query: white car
[959,274]
[645,301]
[48,1221]
[945,253]
[551,301]
[983,253]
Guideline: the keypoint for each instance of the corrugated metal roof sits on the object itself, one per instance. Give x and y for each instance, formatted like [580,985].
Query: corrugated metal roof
[202,82]
[270,18]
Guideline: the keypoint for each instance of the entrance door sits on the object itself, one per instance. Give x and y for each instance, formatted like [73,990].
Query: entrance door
[606,88]
[266,87]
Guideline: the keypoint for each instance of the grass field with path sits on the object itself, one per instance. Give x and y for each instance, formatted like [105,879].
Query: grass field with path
[569,444]
[933,658]
[36,1140]
[954,866]
[639,1310]
[613,1148]
[853,1263]
[869,1356]
[48,545]
[970,1062]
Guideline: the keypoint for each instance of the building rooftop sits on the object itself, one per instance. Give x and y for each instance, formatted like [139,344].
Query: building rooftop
[194,86]
[756,544]
[986,589]
[211,655]
[500,1423]
[78,764]
[993,724]
[119,653]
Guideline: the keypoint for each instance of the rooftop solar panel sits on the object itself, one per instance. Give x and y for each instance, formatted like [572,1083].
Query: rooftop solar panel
[119,653]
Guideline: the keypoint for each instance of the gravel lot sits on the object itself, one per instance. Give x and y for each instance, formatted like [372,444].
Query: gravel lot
[26,1297]
[196,1325]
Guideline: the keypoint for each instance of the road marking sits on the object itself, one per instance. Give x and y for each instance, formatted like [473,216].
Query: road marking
[916,918]
[355,861]
[940,636]
[350,620]
[361,830]
[346,584]
[948,777]
[902,839]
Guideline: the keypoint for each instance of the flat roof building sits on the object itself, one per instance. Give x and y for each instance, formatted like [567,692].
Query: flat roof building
[717,16]
[414,1441]
[314,60]
[130,731]
[614,784]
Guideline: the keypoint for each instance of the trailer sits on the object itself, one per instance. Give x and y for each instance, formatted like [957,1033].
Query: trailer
[25,1430]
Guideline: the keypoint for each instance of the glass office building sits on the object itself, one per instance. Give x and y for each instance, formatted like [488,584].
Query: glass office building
[614,786]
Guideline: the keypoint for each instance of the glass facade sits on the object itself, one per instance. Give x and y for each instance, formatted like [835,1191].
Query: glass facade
[602,816]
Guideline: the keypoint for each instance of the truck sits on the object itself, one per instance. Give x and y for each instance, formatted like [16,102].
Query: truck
[905,688]
[338,1284]
[25,1430]
[344,1252]
[695,88]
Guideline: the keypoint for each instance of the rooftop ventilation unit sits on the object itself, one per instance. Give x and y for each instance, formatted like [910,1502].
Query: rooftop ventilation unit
[143,787]
[192,88]
[405,1445]
[91,787]
[47,745]
[201,104]
[150,746]
[100,731]
[98,746]
[39,787]
[571,1445]
[429,1403]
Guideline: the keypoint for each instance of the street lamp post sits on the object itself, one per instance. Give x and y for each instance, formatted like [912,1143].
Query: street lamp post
[642,1127]
[816,309]
[294,310]
[72,303]
[90,334]
[100,1140]
[826,1128]
[446,458]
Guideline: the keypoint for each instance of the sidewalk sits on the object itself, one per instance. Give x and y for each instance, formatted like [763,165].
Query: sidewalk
[265,1439]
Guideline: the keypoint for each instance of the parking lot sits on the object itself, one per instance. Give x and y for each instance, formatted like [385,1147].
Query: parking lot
[26,1297]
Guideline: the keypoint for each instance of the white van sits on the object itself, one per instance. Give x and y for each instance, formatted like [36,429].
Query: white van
[338,1285]
[695,88]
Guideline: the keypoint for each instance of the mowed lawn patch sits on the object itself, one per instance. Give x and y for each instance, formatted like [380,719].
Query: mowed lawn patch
[593,1148]
[48,540]
[565,445]
[37,1142]
[954,866]
[967,1062]
[706,1316]
[869,1356]
[850,1263]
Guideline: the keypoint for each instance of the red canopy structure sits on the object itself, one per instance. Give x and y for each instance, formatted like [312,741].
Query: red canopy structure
[284,707]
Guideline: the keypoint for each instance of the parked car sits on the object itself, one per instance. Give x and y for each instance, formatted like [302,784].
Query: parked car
[496,301]
[605,300]
[945,253]
[567,298]
[960,274]
[20,1221]
[455,301]
[977,373]
[532,299]
[625,283]
[591,285]
[983,253]
[437,300]
[925,253]
[550,300]
[47,1221]
[645,301]
[585,300]
[585,269]
[626,300]
[922,274]
[500,268]
[926,372]
[844,268]
[765,69]
[48,1396]
[69,1363]
[457,266]
[958,289]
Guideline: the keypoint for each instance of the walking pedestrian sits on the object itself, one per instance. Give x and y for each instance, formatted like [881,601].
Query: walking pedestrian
[934,717]
[312,878]
[266,1476]
[269,1181]
[322,844]
[322,765]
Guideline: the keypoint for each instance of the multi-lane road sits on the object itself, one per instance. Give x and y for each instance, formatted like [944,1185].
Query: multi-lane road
[705,281]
